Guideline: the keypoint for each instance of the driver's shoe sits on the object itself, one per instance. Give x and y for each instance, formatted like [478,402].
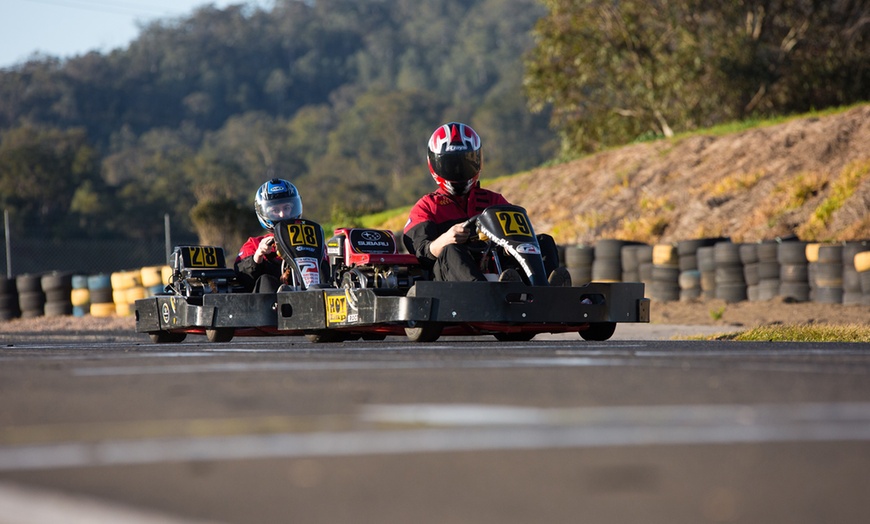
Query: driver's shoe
[560,277]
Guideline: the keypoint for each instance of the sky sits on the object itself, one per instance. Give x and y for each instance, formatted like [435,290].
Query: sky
[66,28]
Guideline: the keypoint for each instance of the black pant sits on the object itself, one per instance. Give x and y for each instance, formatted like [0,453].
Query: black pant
[457,263]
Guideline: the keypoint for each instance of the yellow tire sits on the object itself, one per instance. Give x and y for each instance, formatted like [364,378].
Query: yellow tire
[103,310]
[165,274]
[134,293]
[862,261]
[123,310]
[665,255]
[813,252]
[151,276]
[80,297]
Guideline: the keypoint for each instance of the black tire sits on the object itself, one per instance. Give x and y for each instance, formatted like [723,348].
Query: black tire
[514,337]
[220,334]
[599,331]
[166,337]
[58,309]
[28,283]
[792,253]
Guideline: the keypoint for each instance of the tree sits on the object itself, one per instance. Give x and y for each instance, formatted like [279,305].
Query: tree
[615,71]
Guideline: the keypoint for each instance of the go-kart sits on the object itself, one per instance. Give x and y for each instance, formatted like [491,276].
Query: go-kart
[358,285]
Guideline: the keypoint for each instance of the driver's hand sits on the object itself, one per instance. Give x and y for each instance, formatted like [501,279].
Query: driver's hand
[267,245]
[457,234]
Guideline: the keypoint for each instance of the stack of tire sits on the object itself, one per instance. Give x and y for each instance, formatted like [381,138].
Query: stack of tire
[706,259]
[578,261]
[101,296]
[827,275]
[151,278]
[630,262]
[57,287]
[9,308]
[730,282]
[126,289]
[31,298]
[768,269]
[793,271]
[644,255]
[861,261]
[80,296]
[665,273]
[852,294]
[690,268]
[749,259]
[607,265]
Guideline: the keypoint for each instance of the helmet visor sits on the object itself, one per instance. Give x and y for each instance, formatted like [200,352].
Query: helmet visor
[456,167]
[283,208]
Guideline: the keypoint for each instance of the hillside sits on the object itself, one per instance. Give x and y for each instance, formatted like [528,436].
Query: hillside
[808,177]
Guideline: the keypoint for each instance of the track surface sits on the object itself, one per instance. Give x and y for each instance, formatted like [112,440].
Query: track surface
[275,430]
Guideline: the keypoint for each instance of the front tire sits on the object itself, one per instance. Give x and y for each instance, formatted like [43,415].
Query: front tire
[423,331]
[599,331]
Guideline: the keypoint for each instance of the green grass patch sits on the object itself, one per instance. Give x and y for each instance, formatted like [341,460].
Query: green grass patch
[800,333]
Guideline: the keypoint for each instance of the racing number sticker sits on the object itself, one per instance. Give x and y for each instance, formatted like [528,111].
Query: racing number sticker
[302,235]
[203,256]
[336,309]
[514,223]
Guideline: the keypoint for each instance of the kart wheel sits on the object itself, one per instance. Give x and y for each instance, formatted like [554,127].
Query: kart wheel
[423,331]
[166,337]
[599,331]
[220,334]
[514,337]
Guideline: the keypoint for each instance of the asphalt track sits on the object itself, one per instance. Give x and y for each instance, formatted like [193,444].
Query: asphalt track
[638,429]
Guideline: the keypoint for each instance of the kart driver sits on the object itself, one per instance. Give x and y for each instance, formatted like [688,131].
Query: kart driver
[434,230]
[258,263]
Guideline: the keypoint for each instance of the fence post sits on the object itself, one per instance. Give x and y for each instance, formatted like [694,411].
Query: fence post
[8,243]
[167,235]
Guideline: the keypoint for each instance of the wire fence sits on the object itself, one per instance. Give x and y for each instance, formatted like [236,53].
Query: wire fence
[85,256]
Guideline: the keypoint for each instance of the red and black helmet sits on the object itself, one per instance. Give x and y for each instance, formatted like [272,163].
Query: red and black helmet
[454,157]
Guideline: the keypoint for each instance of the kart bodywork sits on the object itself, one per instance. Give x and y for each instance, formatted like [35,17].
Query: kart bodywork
[370,290]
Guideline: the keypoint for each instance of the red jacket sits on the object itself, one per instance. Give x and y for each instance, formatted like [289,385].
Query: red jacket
[436,212]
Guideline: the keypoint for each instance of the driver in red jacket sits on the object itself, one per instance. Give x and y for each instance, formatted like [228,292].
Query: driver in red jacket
[434,231]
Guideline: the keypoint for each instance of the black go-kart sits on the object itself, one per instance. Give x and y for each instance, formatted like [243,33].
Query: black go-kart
[358,285]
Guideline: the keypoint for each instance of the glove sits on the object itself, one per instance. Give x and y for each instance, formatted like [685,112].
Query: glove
[267,245]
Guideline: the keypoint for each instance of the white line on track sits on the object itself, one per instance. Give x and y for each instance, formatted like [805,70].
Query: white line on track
[455,428]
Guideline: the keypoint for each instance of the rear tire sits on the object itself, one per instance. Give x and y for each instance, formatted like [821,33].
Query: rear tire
[599,331]
[166,337]
[220,334]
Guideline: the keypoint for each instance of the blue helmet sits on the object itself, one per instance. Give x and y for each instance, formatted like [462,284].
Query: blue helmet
[277,200]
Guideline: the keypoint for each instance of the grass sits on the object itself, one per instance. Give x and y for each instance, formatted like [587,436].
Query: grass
[800,333]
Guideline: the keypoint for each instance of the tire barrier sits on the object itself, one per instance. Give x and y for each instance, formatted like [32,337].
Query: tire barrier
[9,308]
[730,282]
[749,259]
[768,270]
[793,271]
[707,268]
[126,285]
[57,287]
[826,284]
[80,297]
[665,273]
[607,265]
[100,292]
[578,261]
[691,277]
[852,294]
[31,298]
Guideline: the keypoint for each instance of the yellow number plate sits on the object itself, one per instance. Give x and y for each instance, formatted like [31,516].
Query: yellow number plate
[203,256]
[514,223]
[302,235]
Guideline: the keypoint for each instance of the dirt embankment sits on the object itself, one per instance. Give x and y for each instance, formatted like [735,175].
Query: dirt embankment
[808,177]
